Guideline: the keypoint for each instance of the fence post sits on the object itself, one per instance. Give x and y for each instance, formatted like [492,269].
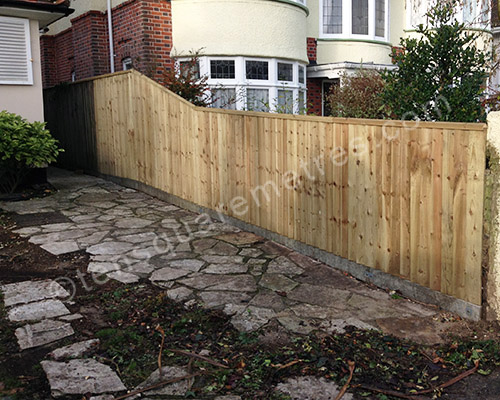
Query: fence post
[492,217]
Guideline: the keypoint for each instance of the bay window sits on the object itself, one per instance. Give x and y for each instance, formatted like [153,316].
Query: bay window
[252,83]
[366,19]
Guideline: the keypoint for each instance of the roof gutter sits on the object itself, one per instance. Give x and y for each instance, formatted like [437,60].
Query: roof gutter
[60,8]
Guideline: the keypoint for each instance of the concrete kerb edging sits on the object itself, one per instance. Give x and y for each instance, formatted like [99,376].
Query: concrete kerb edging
[492,217]
[365,274]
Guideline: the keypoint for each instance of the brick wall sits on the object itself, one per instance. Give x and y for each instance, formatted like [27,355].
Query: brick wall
[157,16]
[314,95]
[495,17]
[142,30]
[48,60]
[90,43]
[312,50]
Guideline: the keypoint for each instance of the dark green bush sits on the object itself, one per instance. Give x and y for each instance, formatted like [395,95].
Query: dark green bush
[441,74]
[23,145]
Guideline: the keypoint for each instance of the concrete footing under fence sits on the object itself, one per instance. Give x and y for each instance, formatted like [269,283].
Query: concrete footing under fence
[365,274]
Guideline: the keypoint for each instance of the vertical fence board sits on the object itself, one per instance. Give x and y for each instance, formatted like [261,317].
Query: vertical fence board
[402,197]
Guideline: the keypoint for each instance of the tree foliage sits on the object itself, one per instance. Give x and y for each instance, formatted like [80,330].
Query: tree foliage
[358,96]
[23,145]
[441,74]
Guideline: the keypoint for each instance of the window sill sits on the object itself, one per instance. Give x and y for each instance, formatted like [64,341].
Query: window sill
[358,40]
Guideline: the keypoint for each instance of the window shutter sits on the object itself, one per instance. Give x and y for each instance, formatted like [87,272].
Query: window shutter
[15,52]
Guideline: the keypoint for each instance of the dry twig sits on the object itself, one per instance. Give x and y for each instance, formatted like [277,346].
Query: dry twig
[288,364]
[344,388]
[454,380]
[200,357]
[160,329]
[394,393]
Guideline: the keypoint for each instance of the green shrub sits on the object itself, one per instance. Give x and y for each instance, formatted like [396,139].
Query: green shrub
[23,145]
[358,96]
[441,74]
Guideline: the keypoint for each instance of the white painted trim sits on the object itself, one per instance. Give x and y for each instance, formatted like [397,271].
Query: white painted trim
[347,22]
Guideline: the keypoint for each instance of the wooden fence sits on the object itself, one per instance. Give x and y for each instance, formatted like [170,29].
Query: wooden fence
[402,197]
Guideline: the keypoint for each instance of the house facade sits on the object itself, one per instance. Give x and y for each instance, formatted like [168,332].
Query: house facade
[262,55]
[20,61]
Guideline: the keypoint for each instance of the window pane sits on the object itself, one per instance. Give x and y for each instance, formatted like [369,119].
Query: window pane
[332,16]
[258,100]
[222,69]
[302,74]
[360,17]
[469,10]
[187,66]
[285,102]
[127,63]
[380,18]
[285,72]
[224,98]
[257,70]
[302,102]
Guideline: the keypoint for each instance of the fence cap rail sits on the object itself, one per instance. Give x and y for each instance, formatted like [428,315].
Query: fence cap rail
[407,125]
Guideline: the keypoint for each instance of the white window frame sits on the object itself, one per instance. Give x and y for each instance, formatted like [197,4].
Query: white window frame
[29,57]
[127,61]
[241,83]
[347,22]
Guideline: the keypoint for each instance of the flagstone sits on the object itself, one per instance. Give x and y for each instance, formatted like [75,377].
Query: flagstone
[46,331]
[37,311]
[110,248]
[74,350]
[168,274]
[58,248]
[80,377]
[31,291]
[224,269]
[277,282]
[282,265]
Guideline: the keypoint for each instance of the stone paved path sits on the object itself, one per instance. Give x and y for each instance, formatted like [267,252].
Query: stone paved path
[133,237]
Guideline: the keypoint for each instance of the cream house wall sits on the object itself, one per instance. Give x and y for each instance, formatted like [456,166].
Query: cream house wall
[26,100]
[252,28]
[81,7]
[353,51]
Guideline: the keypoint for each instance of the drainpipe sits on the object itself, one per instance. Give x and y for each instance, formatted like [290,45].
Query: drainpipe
[110,31]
